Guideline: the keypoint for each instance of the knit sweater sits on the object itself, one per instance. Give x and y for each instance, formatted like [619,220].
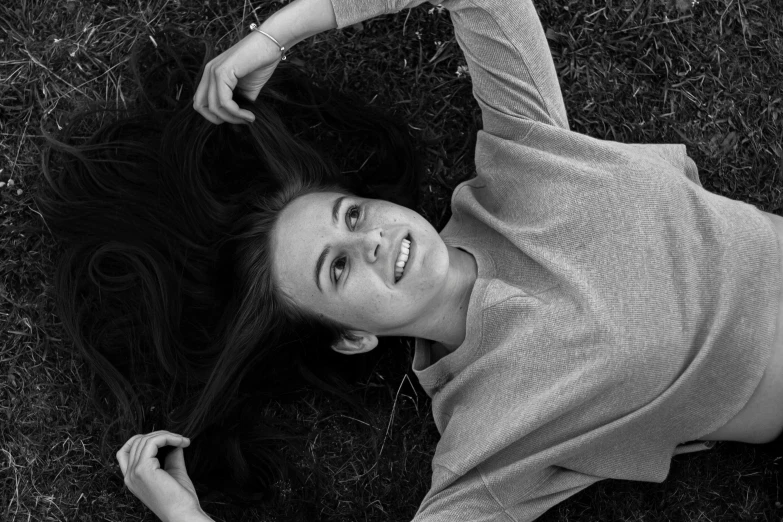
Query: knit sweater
[620,311]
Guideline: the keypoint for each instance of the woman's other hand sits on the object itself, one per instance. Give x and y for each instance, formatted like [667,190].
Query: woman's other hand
[246,66]
[167,491]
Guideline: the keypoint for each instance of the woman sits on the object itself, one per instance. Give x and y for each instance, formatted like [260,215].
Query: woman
[588,312]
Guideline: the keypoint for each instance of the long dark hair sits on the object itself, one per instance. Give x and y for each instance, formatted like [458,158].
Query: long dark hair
[164,283]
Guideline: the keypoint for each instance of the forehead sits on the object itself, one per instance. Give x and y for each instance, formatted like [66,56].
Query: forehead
[299,236]
[310,208]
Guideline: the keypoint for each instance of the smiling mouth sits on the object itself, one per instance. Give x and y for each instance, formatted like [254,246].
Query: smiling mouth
[402,259]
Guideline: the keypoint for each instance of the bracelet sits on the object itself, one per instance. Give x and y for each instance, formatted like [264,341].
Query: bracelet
[254,27]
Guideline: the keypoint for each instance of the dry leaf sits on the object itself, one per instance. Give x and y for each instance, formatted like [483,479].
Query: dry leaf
[729,142]
[684,5]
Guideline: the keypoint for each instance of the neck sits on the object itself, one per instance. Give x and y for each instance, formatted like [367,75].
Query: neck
[448,323]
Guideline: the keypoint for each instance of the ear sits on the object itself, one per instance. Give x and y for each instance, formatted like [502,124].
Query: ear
[363,342]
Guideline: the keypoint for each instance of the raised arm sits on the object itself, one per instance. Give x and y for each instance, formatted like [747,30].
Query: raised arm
[510,64]
[508,57]
[507,53]
[489,494]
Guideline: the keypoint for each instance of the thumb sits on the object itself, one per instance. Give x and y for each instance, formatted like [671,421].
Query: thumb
[175,461]
[175,467]
[250,86]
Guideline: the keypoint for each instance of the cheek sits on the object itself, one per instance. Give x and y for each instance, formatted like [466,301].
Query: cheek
[373,309]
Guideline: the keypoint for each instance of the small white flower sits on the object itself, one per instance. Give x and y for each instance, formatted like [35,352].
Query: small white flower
[19,192]
[2,184]
[10,183]
[462,69]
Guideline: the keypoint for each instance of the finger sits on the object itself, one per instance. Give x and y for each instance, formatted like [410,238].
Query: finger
[126,447]
[123,455]
[215,105]
[122,460]
[151,444]
[204,111]
[201,107]
[133,458]
[201,98]
[225,96]
[136,447]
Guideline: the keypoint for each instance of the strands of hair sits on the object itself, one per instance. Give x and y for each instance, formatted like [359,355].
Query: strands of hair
[164,284]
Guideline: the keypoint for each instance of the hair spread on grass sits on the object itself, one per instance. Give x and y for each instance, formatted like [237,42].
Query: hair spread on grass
[165,285]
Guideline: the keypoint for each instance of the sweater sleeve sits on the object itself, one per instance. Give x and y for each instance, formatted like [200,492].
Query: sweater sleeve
[510,64]
[484,496]
[349,12]
[508,57]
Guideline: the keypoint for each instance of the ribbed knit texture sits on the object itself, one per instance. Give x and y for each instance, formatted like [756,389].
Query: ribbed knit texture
[620,310]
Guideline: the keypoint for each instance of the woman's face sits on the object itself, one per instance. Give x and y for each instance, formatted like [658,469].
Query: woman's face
[336,255]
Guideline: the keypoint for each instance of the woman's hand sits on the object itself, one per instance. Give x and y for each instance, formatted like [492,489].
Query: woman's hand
[246,66]
[168,492]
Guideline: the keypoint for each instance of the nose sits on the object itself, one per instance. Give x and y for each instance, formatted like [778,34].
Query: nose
[369,244]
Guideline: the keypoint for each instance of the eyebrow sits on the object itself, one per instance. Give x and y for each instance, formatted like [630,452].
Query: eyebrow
[336,208]
[320,263]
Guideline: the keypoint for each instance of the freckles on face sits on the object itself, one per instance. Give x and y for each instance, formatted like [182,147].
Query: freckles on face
[297,230]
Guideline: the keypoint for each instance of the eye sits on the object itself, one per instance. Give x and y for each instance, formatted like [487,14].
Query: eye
[352,216]
[337,269]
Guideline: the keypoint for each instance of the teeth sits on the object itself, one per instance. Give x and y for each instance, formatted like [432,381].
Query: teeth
[399,266]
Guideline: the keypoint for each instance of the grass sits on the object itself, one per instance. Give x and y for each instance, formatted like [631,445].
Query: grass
[631,70]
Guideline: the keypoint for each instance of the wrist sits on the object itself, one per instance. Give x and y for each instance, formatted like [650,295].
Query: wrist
[299,20]
[270,40]
[194,515]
